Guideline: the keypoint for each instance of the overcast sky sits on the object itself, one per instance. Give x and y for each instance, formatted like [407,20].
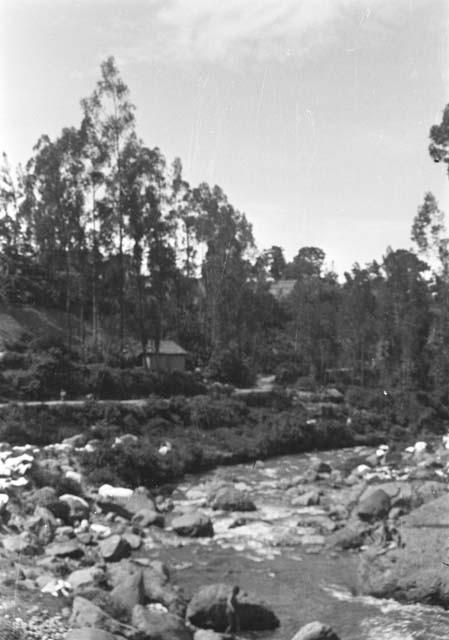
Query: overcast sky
[313,115]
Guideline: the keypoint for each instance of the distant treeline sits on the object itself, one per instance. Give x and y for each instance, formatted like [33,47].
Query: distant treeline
[99,225]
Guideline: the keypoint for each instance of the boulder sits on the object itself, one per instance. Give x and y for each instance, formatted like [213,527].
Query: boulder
[319,466]
[148,517]
[60,510]
[114,548]
[206,634]
[230,499]
[414,571]
[195,525]
[316,631]
[352,536]
[207,609]
[134,541]
[79,508]
[87,614]
[159,625]
[90,634]
[43,524]
[85,578]
[127,594]
[124,502]
[156,584]
[374,506]
[308,499]
[69,549]
[44,496]
[22,543]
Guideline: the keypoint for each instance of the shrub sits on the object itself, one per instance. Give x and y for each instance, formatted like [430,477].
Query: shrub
[207,413]
[288,372]
[228,367]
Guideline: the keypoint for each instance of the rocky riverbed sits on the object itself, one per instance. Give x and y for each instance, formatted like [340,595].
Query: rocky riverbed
[307,538]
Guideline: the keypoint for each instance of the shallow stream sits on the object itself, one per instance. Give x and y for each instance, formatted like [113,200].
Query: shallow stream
[301,583]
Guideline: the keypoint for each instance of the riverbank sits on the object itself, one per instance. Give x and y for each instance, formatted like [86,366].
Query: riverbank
[290,531]
[202,432]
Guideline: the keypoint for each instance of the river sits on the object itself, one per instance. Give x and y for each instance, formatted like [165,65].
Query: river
[301,583]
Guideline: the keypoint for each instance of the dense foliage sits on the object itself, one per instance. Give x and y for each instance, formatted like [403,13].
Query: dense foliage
[100,227]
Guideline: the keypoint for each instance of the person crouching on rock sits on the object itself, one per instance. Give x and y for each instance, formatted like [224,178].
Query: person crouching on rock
[232,611]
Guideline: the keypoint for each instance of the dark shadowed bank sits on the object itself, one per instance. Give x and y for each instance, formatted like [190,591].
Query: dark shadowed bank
[204,431]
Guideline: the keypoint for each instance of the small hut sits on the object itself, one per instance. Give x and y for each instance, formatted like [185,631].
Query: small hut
[169,357]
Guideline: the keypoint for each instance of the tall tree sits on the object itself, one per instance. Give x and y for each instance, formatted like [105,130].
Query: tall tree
[109,124]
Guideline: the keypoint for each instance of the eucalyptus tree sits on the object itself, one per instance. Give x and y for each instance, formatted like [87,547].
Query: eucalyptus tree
[226,237]
[109,125]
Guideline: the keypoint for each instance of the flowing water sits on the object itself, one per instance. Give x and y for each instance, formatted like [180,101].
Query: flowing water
[301,583]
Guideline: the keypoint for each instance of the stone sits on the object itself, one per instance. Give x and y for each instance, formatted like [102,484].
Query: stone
[79,508]
[374,506]
[124,502]
[88,577]
[44,496]
[114,548]
[207,609]
[107,492]
[134,541]
[319,466]
[69,549]
[43,524]
[206,634]
[316,631]
[352,536]
[155,582]
[159,625]
[128,593]
[195,525]
[22,543]
[148,517]
[60,510]
[309,499]
[230,499]
[89,634]
[75,441]
[414,570]
[87,614]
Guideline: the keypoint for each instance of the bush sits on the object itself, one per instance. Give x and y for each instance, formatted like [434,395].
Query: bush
[112,383]
[208,414]
[228,367]
[288,372]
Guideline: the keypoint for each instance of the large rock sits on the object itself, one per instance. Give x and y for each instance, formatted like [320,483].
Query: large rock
[85,578]
[89,634]
[408,494]
[374,506]
[43,524]
[114,548]
[308,499]
[230,499]
[415,571]
[79,508]
[69,549]
[195,525]
[124,502]
[148,517]
[207,609]
[87,614]
[352,536]
[159,625]
[128,593]
[22,543]
[156,586]
[316,631]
